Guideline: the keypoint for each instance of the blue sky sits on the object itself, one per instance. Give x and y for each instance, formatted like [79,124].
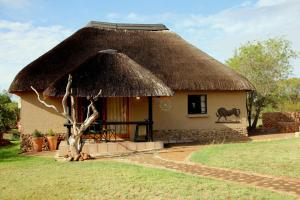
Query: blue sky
[75,13]
[29,28]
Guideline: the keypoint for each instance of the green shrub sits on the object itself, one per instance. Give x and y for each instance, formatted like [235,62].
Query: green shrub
[51,132]
[15,134]
[37,133]
[9,112]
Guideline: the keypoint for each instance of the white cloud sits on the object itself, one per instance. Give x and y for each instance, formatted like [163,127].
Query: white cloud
[220,33]
[217,34]
[14,26]
[21,43]
[263,3]
[14,3]
[133,17]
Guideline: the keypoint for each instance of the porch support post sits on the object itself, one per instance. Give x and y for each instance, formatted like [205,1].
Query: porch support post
[150,119]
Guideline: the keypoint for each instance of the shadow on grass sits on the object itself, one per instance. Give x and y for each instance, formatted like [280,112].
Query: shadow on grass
[12,153]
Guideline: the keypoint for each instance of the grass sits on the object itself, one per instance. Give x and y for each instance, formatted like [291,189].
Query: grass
[277,157]
[24,177]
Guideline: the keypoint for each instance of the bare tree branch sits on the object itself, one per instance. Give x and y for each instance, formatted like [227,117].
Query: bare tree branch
[97,96]
[74,139]
[52,106]
[42,101]
[90,118]
[94,99]
[88,111]
[65,100]
[73,110]
[87,122]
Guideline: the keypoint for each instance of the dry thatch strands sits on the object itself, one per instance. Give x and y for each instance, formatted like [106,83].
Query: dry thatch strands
[167,56]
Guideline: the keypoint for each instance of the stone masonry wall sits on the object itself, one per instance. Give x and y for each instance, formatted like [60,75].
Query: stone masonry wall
[281,122]
[202,136]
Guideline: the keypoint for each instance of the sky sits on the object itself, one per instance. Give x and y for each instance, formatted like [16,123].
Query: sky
[30,28]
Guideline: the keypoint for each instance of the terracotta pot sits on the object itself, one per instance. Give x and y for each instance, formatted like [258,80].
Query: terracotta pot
[52,141]
[37,143]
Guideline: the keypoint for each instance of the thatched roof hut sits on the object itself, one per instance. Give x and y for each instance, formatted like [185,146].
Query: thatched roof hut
[151,49]
[115,73]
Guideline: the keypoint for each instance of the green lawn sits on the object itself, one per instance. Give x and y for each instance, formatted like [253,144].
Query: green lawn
[277,157]
[35,178]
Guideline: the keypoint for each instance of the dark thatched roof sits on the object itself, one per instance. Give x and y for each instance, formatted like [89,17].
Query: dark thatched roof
[115,73]
[177,63]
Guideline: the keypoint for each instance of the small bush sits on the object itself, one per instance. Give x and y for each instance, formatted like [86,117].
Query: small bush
[15,134]
[9,112]
[36,134]
[51,132]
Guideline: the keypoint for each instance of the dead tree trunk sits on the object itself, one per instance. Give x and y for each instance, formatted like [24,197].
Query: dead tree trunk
[77,131]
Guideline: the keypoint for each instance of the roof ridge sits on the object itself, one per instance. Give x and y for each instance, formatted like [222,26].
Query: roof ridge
[109,51]
[127,26]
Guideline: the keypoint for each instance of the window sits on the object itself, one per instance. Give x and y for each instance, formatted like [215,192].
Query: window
[197,104]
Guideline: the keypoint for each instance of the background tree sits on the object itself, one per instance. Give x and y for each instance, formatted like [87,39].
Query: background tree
[9,112]
[289,95]
[264,63]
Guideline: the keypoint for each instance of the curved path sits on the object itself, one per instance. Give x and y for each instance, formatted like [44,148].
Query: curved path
[177,159]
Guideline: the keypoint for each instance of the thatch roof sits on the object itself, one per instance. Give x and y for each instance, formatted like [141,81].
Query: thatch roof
[115,73]
[177,63]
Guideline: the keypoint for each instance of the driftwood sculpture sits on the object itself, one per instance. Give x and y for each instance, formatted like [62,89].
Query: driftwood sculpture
[77,131]
[222,112]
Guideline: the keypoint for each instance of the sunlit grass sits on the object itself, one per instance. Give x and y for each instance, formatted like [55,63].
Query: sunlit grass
[25,177]
[277,157]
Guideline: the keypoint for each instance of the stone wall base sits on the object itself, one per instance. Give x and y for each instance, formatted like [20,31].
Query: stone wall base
[202,136]
[112,148]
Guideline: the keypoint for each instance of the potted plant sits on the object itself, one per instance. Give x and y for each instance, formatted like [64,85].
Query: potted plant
[37,140]
[52,140]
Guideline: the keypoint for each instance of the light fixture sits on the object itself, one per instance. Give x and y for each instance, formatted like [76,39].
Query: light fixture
[137,98]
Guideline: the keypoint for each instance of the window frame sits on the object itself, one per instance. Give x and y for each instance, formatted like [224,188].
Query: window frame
[199,112]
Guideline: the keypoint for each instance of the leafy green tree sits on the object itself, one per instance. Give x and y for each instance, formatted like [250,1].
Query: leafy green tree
[263,63]
[290,88]
[289,94]
[9,112]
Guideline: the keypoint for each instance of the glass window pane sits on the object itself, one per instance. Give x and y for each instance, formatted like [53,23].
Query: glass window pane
[203,98]
[203,104]
[197,104]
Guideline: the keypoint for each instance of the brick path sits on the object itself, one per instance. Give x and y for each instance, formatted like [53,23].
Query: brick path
[277,184]
[179,153]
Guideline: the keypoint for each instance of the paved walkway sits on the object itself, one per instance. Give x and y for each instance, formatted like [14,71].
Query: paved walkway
[179,153]
[177,158]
